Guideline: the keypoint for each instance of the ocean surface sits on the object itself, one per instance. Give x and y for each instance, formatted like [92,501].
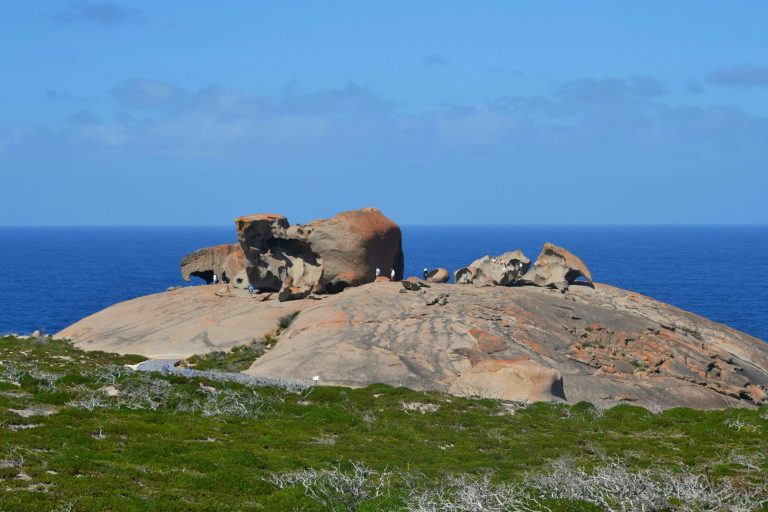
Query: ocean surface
[52,277]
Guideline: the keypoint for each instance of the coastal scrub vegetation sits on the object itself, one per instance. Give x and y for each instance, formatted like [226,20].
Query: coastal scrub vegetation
[236,359]
[240,357]
[81,431]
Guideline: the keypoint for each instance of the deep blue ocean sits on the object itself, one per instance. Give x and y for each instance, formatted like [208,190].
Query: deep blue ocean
[52,277]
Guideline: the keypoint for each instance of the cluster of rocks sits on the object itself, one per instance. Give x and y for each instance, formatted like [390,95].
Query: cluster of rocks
[321,257]
[329,255]
[417,285]
[555,268]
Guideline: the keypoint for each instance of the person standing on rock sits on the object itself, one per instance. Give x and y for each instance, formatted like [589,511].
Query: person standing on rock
[215,279]
[378,272]
[392,275]
[426,272]
[250,290]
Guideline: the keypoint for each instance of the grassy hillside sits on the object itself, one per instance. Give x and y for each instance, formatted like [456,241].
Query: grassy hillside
[79,431]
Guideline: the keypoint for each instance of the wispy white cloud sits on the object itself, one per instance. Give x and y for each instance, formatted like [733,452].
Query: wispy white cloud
[105,13]
[435,59]
[740,76]
[53,94]
[629,115]
[148,94]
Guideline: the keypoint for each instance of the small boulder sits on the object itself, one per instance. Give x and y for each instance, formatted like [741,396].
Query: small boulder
[556,268]
[439,299]
[411,284]
[438,275]
[293,293]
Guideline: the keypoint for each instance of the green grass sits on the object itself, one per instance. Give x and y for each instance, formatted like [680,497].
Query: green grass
[180,457]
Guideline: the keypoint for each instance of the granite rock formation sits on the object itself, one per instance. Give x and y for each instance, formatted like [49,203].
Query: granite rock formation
[502,270]
[549,340]
[226,261]
[324,256]
[556,268]
[603,345]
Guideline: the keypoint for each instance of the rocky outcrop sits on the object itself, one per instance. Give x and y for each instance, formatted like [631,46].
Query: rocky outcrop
[438,275]
[608,346]
[591,343]
[226,261]
[502,270]
[556,268]
[324,256]
[602,345]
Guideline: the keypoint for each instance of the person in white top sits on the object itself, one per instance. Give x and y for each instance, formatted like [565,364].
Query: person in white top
[215,279]
[392,275]
[378,271]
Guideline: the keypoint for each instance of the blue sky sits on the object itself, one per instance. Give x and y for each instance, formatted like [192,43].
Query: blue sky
[437,112]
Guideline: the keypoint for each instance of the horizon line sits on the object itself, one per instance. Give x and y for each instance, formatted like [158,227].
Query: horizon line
[586,224]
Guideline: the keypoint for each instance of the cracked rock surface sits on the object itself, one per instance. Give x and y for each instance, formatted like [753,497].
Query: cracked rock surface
[603,345]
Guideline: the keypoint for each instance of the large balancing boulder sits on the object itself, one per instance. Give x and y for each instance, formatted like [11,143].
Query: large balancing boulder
[324,256]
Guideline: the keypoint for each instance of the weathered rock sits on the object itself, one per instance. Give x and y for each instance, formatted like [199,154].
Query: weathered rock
[502,270]
[441,299]
[464,275]
[598,344]
[293,293]
[324,256]
[411,284]
[607,344]
[525,381]
[438,275]
[190,320]
[556,268]
[226,261]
